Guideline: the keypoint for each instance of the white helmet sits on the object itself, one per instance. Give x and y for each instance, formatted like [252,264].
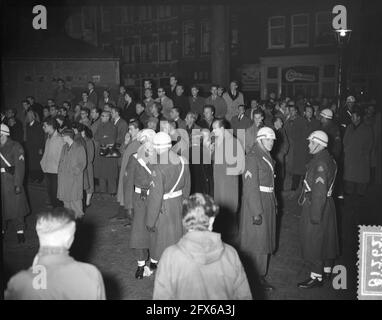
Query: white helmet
[5,130]
[320,137]
[265,133]
[149,134]
[350,99]
[327,113]
[162,140]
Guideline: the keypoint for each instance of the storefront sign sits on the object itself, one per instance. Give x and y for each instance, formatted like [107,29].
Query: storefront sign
[300,74]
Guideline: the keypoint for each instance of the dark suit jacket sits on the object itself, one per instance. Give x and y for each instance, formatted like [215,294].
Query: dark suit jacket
[122,128]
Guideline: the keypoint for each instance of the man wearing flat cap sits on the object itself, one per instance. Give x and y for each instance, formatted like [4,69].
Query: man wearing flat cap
[71,173]
[14,205]
[54,274]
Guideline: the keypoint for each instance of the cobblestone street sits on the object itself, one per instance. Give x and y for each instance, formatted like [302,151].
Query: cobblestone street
[105,244]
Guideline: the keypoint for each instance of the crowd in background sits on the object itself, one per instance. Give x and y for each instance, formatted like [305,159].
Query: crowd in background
[82,147]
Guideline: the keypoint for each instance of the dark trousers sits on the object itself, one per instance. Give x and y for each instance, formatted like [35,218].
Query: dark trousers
[36,175]
[18,224]
[296,179]
[51,183]
[141,254]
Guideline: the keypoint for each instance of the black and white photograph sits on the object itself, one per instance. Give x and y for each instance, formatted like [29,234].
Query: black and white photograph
[191,150]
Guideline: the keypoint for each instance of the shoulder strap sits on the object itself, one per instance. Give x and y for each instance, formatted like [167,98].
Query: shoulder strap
[269,163]
[142,163]
[5,160]
[180,176]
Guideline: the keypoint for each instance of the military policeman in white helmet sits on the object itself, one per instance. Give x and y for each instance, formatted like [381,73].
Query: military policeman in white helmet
[170,186]
[318,225]
[257,231]
[13,199]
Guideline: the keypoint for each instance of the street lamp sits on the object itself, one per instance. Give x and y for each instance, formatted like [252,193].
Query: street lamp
[343,38]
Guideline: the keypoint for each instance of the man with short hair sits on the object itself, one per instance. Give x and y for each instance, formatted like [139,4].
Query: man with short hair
[14,203]
[65,278]
[196,102]
[218,102]
[233,98]
[172,89]
[141,115]
[95,119]
[181,101]
[86,103]
[254,105]
[51,158]
[92,94]
[166,103]
[36,107]
[53,111]
[175,116]
[120,124]
[208,117]
[312,124]
[251,132]
[62,93]
[121,97]
[71,173]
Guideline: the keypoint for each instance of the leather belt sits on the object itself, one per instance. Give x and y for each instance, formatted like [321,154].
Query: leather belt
[139,190]
[172,195]
[266,189]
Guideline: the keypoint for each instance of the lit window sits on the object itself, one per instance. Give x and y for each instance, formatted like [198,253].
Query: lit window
[276,32]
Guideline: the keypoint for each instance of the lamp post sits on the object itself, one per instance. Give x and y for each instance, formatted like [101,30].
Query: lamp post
[343,38]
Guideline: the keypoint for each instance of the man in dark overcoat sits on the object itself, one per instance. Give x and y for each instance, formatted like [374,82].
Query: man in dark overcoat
[257,230]
[13,199]
[171,184]
[318,224]
[138,175]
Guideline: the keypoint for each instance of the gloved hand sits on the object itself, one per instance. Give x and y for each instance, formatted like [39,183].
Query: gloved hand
[150,229]
[17,190]
[257,220]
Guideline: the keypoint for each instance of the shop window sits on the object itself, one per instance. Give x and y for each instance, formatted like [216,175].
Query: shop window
[189,39]
[300,30]
[272,72]
[276,32]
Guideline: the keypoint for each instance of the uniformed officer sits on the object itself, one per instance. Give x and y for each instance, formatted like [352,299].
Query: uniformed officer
[333,132]
[170,185]
[14,202]
[257,229]
[319,239]
[138,175]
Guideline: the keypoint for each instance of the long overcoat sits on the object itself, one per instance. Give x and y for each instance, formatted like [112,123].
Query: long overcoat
[138,176]
[13,206]
[71,172]
[105,168]
[318,224]
[259,171]
[35,141]
[166,214]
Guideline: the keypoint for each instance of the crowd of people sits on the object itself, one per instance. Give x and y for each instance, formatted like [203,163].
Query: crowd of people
[114,149]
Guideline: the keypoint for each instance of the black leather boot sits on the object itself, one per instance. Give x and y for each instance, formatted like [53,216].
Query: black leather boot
[153,266]
[310,283]
[20,238]
[139,272]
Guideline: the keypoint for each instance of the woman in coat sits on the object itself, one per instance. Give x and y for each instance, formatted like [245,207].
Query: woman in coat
[257,231]
[34,146]
[200,266]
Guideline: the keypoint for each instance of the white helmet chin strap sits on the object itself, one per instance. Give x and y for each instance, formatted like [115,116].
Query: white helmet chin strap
[269,150]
